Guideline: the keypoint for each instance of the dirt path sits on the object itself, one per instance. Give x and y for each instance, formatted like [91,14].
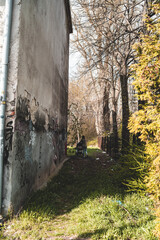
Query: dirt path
[89,167]
[99,161]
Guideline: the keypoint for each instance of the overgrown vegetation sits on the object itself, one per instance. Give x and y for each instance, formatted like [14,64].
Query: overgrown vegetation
[86,200]
[133,168]
[107,56]
[146,121]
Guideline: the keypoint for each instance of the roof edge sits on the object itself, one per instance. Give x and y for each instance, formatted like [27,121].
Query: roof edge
[68,11]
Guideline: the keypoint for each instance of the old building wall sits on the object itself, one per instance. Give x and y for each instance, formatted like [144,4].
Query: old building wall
[2,8]
[36,116]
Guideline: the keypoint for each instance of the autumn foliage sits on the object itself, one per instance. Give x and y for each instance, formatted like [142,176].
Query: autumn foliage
[146,121]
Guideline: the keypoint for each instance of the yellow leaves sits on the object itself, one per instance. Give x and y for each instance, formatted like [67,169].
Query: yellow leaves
[147,82]
[146,122]
[135,122]
[153,180]
[157,230]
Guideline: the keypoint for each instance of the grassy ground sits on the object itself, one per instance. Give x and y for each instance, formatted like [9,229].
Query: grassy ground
[85,201]
[91,151]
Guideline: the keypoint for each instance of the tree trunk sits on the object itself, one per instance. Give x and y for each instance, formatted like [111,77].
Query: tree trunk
[115,133]
[125,112]
[99,118]
[102,121]
[78,135]
[114,120]
[106,110]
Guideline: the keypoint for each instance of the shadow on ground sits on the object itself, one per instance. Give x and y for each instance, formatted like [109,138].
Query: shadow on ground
[79,179]
[85,201]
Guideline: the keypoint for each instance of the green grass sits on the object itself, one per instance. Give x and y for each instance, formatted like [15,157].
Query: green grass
[92,151]
[83,202]
[71,151]
[93,142]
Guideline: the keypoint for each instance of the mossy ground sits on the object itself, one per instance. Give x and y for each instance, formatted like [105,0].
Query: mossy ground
[84,201]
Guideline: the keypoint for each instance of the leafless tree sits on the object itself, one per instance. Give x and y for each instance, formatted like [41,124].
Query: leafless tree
[105,31]
[81,117]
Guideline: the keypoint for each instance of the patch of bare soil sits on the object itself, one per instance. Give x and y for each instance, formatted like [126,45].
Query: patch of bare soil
[100,160]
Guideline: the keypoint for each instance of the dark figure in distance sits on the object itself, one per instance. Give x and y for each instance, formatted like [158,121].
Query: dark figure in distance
[84,146]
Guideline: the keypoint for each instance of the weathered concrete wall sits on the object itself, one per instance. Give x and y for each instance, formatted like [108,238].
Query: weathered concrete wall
[2,8]
[36,116]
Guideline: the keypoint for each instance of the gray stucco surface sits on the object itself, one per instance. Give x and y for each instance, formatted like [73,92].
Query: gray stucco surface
[36,116]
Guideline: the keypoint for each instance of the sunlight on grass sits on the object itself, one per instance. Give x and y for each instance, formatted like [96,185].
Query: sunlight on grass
[71,151]
[81,203]
[104,218]
[93,143]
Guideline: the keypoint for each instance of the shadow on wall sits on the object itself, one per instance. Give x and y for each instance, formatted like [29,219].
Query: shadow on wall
[36,147]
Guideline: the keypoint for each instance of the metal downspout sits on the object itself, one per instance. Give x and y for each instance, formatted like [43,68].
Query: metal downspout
[3,85]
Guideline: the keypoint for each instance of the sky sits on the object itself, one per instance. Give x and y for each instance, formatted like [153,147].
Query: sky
[74,59]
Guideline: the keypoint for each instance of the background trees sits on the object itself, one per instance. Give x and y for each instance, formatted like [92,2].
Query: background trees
[104,34]
[81,120]
[106,31]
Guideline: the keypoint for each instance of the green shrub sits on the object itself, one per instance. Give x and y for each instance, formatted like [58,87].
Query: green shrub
[134,166]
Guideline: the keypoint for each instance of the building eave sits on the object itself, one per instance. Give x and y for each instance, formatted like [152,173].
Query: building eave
[68,11]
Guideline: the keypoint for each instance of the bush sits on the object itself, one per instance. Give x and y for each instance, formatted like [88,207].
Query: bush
[134,169]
